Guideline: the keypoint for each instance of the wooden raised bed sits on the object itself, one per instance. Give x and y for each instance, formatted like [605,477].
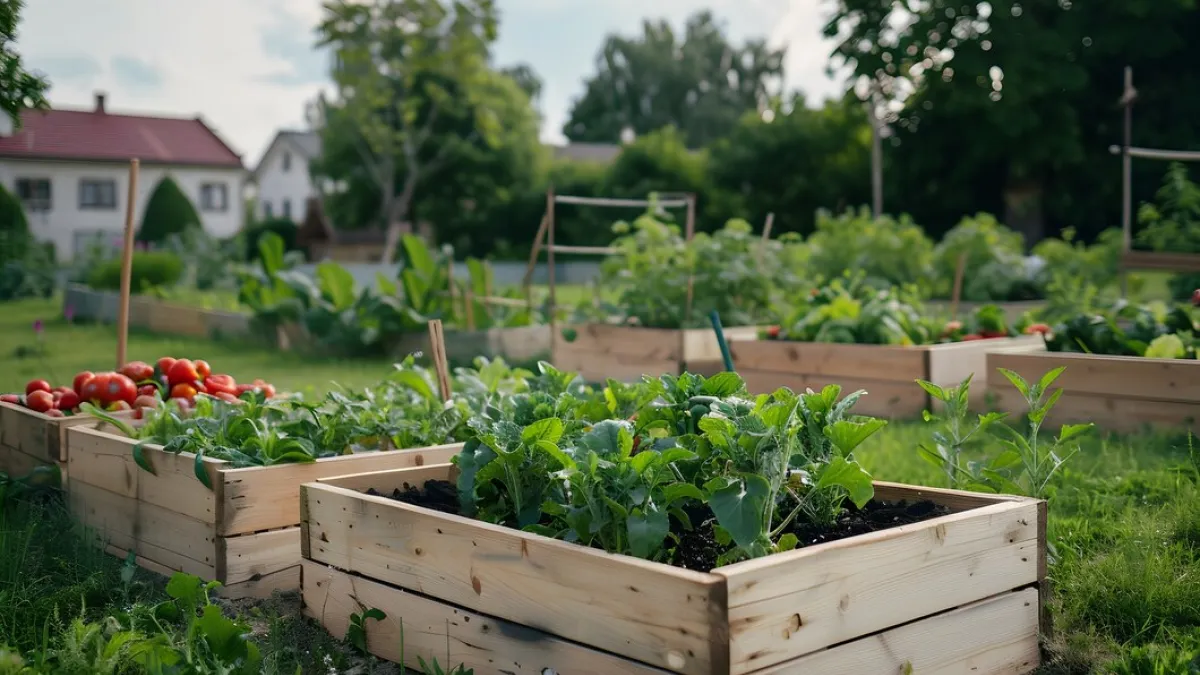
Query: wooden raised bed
[244,532]
[601,351]
[1123,393]
[888,374]
[155,315]
[30,439]
[954,594]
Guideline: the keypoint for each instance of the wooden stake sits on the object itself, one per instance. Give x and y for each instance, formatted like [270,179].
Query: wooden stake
[690,232]
[537,240]
[469,305]
[956,294]
[437,350]
[487,290]
[550,263]
[767,228]
[127,266]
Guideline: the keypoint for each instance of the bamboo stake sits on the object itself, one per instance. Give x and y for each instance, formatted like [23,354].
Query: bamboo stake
[437,349]
[127,266]
[550,264]
[956,295]
[537,242]
[691,230]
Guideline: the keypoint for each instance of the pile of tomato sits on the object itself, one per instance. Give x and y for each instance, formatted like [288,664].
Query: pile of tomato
[135,386]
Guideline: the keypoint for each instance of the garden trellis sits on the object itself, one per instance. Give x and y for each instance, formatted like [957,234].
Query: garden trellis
[1144,260]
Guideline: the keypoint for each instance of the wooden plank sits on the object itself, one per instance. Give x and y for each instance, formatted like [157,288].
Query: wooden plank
[652,344]
[387,481]
[955,500]
[453,636]
[950,364]
[1160,260]
[268,497]
[791,604]
[105,460]
[262,556]
[178,320]
[169,538]
[601,367]
[657,614]
[700,344]
[1108,412]
[883,398]
[993,636]
[832,360]
[30,432]
[1128,377]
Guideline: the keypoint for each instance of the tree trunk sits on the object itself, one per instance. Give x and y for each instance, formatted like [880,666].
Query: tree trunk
[1023,209]
[396,215]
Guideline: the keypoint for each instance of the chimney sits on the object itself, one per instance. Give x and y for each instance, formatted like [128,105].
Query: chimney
[100,96]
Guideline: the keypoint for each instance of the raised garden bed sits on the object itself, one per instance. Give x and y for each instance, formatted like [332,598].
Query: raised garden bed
[155,315]
[523,344]
[625,353]
[887,373]
[30,439]
[1123,393]
[242,532]
[953,593]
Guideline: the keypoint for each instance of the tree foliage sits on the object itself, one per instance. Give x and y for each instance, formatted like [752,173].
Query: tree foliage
[698,82]
[19,89]
[168,212]
[14,228]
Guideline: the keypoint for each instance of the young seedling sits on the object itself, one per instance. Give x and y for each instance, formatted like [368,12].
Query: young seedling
[956,433]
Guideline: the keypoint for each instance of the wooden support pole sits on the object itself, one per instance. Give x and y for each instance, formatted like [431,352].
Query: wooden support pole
[537,243]
[127,266]
[956,293]
[437,351]
[689,233]
[550,264]
[1127,97]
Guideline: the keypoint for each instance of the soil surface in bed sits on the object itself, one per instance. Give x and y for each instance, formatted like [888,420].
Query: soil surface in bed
[697,548]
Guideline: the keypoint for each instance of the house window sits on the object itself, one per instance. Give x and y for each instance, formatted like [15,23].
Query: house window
[97,193]
[287,208]
[267,212]
[34,193]
[214,197]
[287,161]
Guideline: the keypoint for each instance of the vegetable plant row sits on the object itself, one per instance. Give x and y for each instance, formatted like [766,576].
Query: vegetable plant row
[1153,331]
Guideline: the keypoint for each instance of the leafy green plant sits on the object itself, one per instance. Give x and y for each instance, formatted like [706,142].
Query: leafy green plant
[995,263]
[1123,329]
[149,270]
[1027,462]
[356,632]
[889,251]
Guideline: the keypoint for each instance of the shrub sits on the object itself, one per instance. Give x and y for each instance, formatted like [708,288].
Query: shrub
[284,227]
[150,269]
[168,212]
[994,264]
[14,229]
[890,252]
[1096,265]
[31,277]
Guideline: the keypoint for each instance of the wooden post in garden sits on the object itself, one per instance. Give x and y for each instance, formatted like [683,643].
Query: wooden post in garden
[437,351]
[1128,96]
[550,263]
[126,266]
[690,231]
[956,292]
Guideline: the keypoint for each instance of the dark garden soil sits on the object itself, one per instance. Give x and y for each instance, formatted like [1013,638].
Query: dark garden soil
[697,548]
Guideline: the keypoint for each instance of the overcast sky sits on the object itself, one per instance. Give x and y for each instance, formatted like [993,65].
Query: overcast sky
[248,66]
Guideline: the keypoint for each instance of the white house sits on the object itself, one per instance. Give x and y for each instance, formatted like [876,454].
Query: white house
[70,168]
[282,175]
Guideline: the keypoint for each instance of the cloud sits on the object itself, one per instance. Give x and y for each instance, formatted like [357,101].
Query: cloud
[292,40]
[135,74]
[75,68]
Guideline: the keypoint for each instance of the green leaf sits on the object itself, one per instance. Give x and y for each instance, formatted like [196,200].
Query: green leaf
[787,542]
[417,256]
[554,451]
[1070,431]
[846,435]
[570,334]
[550,429]
[336,284]
[609,438]
[225,637]
[1017,381]
[849,475]
[1006,460]
[99,414]
[1050,377]
[678,491]
[931,456]
[934,390]
[723,385]
[738,503]
[139,457]
[647,530]
[413,380]
[198,467]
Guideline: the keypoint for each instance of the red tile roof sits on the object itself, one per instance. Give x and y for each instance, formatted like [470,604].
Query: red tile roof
[102,136]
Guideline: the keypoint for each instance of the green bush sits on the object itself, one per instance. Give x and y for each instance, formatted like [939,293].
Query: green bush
[890,251]
[149,270]
[168,212]
[284,227]
[14,229]
[31,277]
[994,259]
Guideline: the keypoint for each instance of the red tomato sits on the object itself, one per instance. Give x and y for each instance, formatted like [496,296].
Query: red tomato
[182,372]
[120,388]
[1196,297]
[243,388]
[138,371]
[56,395]
[202,369]
[971,336]
[216,384]
[184,391]
[148,390]
[39,401]
[144,401]
[268,390]
[773,332]
[10,398]
[69,401]
[55,412]
[119,405]
[94,387]
[37,385]
[61,390]
[163,366]
[81,379]
[1037,329]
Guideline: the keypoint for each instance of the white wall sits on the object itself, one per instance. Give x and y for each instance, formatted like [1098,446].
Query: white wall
[65,217]
[276,185]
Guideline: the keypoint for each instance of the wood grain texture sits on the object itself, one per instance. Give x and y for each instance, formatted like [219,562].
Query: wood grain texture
[35,434]
[997,636]
[1127,377]
[452,635]
[791,604]
[834,361]
[268,497]
[663,616]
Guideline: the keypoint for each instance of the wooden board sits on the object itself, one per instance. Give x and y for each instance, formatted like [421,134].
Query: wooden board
[244,532]
[626,353]
[1116,392]
[34,434]
[742,618]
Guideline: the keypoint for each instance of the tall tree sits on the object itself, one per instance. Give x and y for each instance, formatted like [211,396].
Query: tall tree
[697,82]
[1019,97]
[400,67]
[19,89]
